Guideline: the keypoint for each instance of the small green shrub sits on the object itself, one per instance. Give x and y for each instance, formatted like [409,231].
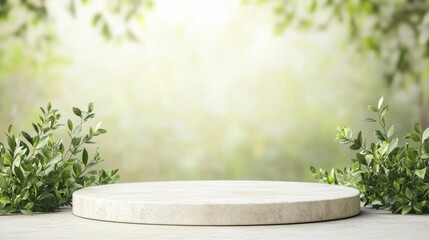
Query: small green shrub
[38,174]
[388,176]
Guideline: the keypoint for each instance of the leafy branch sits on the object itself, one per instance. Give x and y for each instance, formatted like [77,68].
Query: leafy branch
[388,176]
[38,174]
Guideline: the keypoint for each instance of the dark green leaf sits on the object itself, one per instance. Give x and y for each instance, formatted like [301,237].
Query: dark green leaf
[27,137]
[85,157]
[369,120]
[77,111]
[90,107]
[417,128]
[415,137]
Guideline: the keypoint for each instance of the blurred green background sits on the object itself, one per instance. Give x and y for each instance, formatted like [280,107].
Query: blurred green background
[211,89]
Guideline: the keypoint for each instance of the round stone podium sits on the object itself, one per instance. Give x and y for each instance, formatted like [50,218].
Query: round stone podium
[216,202]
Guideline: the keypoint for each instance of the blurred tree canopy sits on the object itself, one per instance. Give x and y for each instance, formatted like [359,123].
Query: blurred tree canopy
[18,17]
[395,33]
[28,59]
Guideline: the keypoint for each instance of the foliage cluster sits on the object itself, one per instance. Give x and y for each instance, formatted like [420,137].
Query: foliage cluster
[388,175]
[39,174]
[38,12]
[393,33]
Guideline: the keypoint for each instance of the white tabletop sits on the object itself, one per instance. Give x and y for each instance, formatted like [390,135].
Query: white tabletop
[216,202]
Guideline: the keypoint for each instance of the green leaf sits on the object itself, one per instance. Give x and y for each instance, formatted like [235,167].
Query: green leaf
[70,124]
[415,137]
[90,107]
[77,111]
[369,120]
[5,199]
[7,159]
[101,131]
[355,166]
[384,111]
[379,135]
[42,142]
[26,211]
[392,145]
[421,173]
[106,31]
[396,186]
[406,209]
[417,127]
[408,194]
[425,135]
[35,128]
[372,108]
[19,173]
[27,137]
[29,205]
[390,131]
[85,156]
[96,19]
[312,169]
[424,156]
[77,169]
[380,102]
[10,128]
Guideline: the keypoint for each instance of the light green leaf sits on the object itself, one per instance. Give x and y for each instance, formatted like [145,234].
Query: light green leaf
[390,131]
[70,124]
[380,102]
[425,135]
[421,173]
[97,126]
[372,108]
[26,211]
[42,142]
[29,205]
[4,199]
[392,145]
[406,209]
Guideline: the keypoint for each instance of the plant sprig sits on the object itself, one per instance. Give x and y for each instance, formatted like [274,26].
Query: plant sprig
[388,176]
[37,173]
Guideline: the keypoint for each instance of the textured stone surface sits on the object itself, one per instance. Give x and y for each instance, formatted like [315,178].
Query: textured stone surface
[216,202]
[370,224]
